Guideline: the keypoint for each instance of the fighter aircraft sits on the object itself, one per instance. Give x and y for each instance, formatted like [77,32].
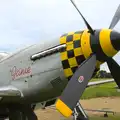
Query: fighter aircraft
[59,69]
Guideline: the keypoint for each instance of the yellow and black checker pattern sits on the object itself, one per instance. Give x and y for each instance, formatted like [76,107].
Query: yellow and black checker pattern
[72,57]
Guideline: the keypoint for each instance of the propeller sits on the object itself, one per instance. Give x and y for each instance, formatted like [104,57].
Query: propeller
[115,70]
[87,24]
[113,66]
[115,19]
[71,95]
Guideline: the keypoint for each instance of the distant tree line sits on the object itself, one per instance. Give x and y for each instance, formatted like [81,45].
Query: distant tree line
[102,74]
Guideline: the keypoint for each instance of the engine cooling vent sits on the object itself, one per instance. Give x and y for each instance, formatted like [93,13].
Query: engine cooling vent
[57,83]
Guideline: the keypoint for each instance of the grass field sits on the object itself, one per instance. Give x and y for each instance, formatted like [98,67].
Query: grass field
[105,90]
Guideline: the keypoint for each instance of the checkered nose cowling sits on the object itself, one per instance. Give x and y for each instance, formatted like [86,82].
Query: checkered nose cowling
[80,45]
[73,56]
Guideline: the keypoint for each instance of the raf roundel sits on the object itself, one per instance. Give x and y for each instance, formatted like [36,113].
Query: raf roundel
[81,79]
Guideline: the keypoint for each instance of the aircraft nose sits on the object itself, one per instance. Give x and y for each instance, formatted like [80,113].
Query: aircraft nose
[105,43]
[115,39]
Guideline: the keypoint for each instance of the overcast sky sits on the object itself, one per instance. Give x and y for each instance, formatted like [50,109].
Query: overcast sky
[25,22]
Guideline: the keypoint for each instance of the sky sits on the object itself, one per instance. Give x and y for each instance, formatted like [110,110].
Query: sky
[26,22]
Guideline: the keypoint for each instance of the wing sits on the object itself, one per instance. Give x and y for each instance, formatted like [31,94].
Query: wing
[100,82]
[10,91]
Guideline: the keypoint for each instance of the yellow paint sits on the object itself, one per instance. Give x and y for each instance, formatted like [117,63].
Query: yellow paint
[70,33]
[68,72]
[78,51]
[69,46]
[63,40]
[64,55]
[63,108]
[76,37]
[85,44]
[72,62]
[105,42]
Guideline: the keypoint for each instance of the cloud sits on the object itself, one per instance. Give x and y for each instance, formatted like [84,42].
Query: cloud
[25,22]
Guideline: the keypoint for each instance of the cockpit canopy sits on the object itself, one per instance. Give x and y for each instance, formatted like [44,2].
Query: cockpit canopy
[3,55]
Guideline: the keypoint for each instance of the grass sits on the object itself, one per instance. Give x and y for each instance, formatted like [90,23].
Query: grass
[105,90]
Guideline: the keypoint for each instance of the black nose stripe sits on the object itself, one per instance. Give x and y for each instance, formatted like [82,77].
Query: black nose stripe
[96,47]
[115,40]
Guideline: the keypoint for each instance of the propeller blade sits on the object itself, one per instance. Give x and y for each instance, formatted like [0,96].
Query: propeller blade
[115,19]
[115,70]
[88,26]
[76,86]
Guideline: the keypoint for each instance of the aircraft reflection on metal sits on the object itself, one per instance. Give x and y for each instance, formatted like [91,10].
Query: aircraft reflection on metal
[60,68]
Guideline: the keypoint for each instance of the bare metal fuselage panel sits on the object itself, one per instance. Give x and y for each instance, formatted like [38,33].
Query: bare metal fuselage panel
[33,78]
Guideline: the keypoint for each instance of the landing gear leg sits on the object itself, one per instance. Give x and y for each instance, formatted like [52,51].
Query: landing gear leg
[21,112]
[16,115]
[79,113]
[29,112]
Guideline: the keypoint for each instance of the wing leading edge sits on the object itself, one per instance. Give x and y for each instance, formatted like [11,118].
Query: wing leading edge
[10,91]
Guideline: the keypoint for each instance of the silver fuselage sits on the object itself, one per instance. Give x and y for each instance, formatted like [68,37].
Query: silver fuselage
[47,79]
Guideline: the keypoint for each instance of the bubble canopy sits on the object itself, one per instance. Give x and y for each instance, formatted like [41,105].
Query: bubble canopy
[3,55]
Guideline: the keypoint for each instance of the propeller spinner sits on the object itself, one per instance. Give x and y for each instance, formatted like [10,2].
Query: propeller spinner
[104,45]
